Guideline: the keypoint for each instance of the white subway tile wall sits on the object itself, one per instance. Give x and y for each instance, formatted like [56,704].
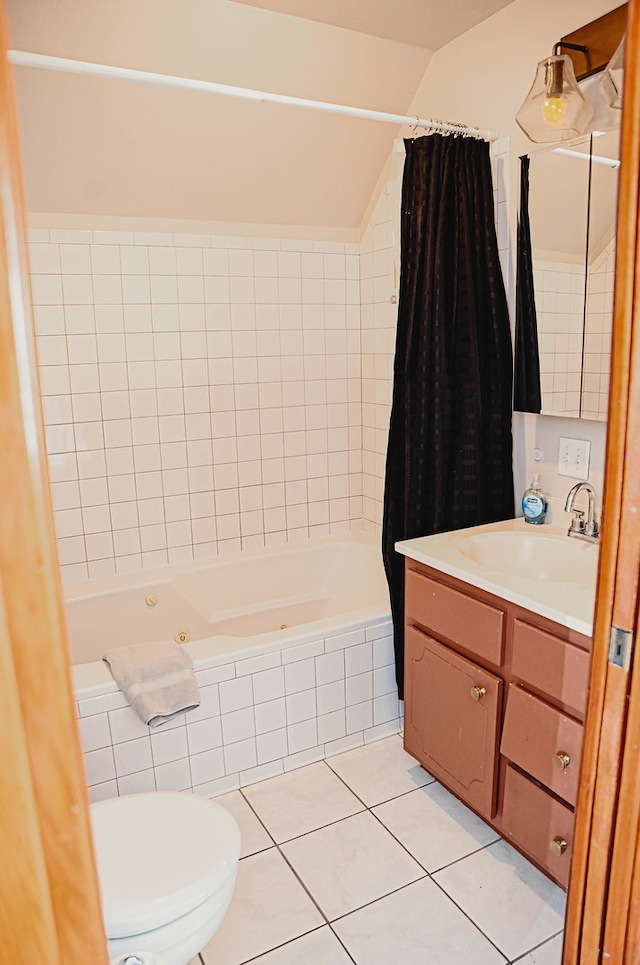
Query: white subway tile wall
[257,718]
[559,291]
[598,334]
[379,280]
[575,345]
[200,394]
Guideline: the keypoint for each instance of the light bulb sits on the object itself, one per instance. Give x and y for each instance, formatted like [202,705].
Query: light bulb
[554,108]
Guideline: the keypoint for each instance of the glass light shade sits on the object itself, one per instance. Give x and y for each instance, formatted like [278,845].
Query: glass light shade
[555,108]
[610,83]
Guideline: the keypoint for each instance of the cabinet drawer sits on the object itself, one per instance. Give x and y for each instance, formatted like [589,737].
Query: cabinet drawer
[475,626]
[452,734]
[533,733]
[551,665]
[533,819]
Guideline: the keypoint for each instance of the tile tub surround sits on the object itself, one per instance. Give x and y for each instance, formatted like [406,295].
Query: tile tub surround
[204,394]
[364,859]
[201,394]
[258,717]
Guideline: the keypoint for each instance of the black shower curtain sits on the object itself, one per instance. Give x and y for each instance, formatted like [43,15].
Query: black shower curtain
[449,456]
[526,393]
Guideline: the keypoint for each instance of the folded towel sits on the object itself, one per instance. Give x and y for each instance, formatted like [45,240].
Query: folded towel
[156,678]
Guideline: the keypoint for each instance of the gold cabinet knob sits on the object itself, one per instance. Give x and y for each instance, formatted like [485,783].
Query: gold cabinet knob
[558,846]
[561,760]
[478,693]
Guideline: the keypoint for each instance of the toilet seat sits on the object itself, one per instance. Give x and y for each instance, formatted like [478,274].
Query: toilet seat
[159,855]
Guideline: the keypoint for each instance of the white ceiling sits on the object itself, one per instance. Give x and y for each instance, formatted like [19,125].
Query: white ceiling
[112,148]
[422,23]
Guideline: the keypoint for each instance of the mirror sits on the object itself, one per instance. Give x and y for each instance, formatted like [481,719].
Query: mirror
[572,213]
[601,255]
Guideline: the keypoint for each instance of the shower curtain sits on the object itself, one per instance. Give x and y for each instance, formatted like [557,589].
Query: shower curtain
[526,394]
[449,455]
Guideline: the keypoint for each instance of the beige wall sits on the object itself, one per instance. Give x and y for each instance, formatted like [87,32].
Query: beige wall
[115,148]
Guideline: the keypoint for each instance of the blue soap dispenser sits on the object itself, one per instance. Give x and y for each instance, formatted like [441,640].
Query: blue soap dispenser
[534,504]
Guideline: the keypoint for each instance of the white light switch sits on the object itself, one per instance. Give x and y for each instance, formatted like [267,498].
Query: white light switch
[573,458]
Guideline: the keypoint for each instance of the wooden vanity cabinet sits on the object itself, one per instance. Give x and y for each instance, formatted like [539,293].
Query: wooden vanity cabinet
[494,707]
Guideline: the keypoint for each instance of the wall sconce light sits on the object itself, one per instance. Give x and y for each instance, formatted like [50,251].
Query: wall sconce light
[555,108]
[610,83]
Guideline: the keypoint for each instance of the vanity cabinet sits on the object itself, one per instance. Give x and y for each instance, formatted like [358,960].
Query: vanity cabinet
[494,707]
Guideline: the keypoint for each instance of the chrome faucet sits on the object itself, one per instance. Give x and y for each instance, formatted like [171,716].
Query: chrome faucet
[581,528]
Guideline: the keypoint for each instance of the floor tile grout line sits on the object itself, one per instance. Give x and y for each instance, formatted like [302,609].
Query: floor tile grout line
[258,818]
[394,797]
[337,937]
[427,874]
[327,920]
[370,808]
[535,948]
[303,834]
[474,923]
[302,884]
[366,808]
[322,827]
[367,904]
[340,778]
[290,941]
[481,847]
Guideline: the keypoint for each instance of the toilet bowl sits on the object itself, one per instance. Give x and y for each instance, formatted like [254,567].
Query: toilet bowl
[167,865]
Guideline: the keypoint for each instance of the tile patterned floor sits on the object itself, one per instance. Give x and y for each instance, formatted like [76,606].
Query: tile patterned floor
[364,859]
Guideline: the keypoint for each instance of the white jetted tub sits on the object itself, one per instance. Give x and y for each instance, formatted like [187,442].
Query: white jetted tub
[293,656]
[229,608]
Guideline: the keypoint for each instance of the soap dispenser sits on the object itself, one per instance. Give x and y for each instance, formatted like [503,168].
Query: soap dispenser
[534,504]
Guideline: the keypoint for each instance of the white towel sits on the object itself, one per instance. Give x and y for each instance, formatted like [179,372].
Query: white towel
[156,678]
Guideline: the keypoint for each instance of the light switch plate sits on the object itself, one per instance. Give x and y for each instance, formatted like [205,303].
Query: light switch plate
[573,457]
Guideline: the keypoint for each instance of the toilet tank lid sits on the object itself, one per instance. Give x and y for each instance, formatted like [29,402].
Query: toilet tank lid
[159,855]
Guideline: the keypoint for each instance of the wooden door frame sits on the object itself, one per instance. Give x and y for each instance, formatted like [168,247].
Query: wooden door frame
[49,901]
[602,921]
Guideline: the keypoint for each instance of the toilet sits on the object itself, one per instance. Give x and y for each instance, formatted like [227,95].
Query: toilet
[167,865]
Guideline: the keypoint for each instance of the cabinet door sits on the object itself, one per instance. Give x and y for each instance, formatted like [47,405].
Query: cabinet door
[453,735]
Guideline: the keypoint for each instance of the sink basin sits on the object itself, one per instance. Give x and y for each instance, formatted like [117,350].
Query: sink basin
[534,555]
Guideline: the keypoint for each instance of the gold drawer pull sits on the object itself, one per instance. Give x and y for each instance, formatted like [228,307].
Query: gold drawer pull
[558,846]
[561,760]
[478,693]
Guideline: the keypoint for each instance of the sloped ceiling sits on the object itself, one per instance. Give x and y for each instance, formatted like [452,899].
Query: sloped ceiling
[423,23]
[104,147]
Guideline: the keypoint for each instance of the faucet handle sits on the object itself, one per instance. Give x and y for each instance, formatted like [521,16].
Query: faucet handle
[591,529]
[577,523]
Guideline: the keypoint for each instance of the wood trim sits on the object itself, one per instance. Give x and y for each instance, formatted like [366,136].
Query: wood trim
[622,912]
[51,891]
[621,919]
[24,888]
[592,894]
[602,37]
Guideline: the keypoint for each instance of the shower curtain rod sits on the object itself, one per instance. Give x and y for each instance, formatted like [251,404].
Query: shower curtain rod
[21,58]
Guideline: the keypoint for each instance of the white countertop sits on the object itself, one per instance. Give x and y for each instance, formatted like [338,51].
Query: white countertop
[568,603]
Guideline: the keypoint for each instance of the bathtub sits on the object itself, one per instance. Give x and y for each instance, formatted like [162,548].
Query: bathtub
[228,607]
[292,651]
